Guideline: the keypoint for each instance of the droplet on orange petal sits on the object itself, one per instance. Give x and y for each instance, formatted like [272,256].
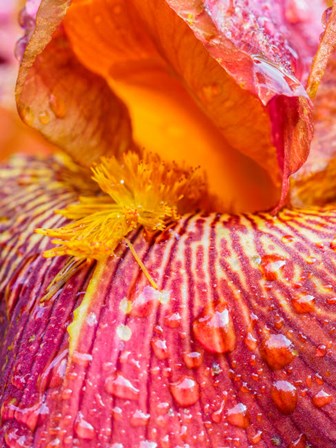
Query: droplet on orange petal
[214,329]
[185,391]
[284,396]
[238,416]
[322,398]
[278,351]
[303,303]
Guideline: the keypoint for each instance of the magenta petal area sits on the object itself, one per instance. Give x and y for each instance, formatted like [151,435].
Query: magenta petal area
[235,350]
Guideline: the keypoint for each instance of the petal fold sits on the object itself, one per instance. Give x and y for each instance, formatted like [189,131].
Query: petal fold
[68,104]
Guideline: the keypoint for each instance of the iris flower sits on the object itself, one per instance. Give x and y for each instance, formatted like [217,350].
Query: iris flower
[168,280]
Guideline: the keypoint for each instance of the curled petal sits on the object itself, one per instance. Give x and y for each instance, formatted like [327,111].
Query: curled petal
[71,106]
[314,183]
[187,71]
[236,345]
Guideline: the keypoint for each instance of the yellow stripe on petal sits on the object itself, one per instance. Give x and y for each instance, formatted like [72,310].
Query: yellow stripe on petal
[81,313]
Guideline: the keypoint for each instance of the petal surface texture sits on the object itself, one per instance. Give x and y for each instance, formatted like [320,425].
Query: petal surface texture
[235,350]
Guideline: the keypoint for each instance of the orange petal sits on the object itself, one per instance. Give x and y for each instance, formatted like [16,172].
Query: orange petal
[315,181]
[238,344]
[71,106]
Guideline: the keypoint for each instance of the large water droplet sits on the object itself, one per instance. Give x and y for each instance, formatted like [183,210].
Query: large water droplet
[124,332]
[256,438]
[139,418]
[303,303]
[214,330]
[121,387]
[145,302]
[238,416]
[284,396]
[322,398]
[185,391]
[300,442]
[173,320]
[83,428]
[193,359]
[44,117]
[278,351]
[159,347]
[250,341]
[271,266]
[57,105]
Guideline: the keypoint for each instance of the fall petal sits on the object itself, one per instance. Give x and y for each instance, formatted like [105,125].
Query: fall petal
[236,346]
[71,106]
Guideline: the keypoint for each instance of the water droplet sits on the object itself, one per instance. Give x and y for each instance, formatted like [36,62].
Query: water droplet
[84,429]
[238,416]
[91,319]
[121,387]
[124,332]
[214,330]
[139,418]
[57,105]
[278,351]
[82,359]
[326,16]
[250,341]
[185,391]
[159,347]
[28,116]
[54,443]
[284,396]
[147,444]
[271,266]
[145,303]
[173,320]
[217,415]
[211,91]
[321,350]
[300,442]
[20,47]
[287,239]
[44,117]
[303,303]
[125,306]
[256,438]
[117,413]
[322,398]
[193,359]
[163,407]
